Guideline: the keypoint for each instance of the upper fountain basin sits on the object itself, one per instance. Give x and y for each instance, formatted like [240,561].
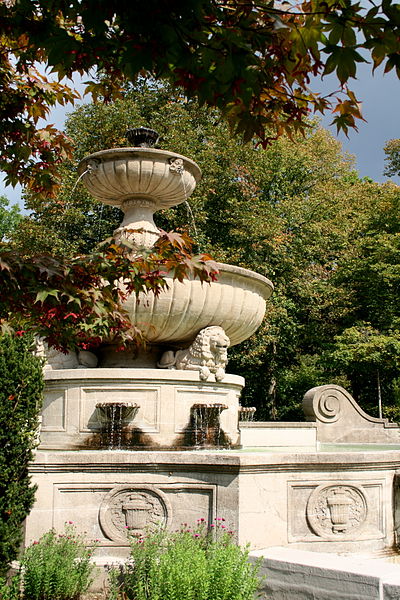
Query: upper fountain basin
[120,174]
[236,302]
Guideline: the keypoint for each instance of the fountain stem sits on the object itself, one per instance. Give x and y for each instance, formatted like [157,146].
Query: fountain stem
[138,224]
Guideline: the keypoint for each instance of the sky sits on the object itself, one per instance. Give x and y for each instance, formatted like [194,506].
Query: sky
[379,95]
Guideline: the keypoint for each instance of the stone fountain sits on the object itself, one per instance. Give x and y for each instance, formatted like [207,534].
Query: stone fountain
[182,453]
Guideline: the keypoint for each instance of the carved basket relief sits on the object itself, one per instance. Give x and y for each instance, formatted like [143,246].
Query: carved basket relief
[131,511]
[336,511]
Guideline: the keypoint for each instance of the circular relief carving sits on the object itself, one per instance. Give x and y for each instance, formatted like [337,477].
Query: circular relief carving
[336,511]
[328,408]
[131,510]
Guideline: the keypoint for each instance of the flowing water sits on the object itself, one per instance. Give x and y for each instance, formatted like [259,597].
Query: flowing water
[113,417]
[190,213]
[191,217]
[246,413]
[207,426]
[88,170]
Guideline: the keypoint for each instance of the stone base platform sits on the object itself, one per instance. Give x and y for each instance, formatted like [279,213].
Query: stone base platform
[165,418]
[325,501]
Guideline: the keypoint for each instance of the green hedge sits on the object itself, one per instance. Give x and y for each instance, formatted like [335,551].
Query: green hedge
[21,389]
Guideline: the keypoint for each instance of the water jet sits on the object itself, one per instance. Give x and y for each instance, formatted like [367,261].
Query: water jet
[113,417]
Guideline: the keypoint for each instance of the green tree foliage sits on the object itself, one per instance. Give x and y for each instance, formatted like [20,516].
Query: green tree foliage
[21,386]
[367,347]
[295,212]
[392,151]
[372,361]
[253,60]
[10,216]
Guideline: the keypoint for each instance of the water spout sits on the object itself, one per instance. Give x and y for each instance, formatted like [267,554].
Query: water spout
[206,425]
[88,170]
[246,413]
[113,418]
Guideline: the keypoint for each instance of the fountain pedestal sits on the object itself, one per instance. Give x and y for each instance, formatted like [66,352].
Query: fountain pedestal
[163,420]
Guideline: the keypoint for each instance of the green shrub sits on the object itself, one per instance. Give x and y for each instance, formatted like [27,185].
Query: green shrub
[190,564]
[21,388]
[57,567]
[10,589]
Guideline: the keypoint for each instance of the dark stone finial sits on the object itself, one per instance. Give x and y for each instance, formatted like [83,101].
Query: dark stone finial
[142,137]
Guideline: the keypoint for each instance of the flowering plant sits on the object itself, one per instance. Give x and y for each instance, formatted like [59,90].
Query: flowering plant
[198,563]
[56,567]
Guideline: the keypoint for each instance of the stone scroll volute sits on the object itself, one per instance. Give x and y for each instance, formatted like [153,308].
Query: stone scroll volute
[340,419]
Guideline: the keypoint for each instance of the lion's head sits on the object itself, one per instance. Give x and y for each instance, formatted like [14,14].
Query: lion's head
[212,344]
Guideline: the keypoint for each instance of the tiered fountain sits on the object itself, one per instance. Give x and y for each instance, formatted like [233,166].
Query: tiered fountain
[170,412]
[181,378]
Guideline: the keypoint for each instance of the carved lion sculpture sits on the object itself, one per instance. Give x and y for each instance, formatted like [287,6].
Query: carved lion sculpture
[207,354]
[57,360]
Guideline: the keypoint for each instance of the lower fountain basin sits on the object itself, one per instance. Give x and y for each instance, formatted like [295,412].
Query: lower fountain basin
[236,302]
[289,487]
[269,498]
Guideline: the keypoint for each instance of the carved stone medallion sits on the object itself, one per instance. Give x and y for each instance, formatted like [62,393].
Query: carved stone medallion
[337,511]
[131,510]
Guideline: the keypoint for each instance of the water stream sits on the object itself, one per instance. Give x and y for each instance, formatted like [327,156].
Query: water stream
[246,413]
[113,418]
[191,217]
[190,212]
[207,426]
[88,170]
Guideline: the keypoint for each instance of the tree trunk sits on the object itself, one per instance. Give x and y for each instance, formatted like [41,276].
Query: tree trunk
[378,383]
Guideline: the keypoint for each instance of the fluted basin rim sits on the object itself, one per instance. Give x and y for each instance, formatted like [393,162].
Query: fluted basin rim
[268,285]
[235,301]
[140,153]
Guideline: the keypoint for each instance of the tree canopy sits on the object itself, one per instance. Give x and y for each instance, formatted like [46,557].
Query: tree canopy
[256,61]
[392,151]
[9,217]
